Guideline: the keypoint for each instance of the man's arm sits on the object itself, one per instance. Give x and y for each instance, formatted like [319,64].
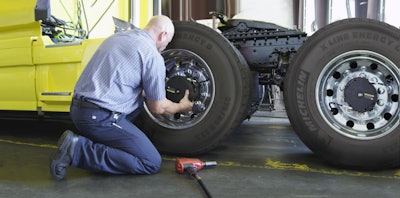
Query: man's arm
[166,106]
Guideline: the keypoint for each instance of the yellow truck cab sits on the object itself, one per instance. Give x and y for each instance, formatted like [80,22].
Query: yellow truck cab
[37,73]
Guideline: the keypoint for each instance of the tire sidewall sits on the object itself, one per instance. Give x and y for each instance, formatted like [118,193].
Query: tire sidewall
[336,39]
[232,93]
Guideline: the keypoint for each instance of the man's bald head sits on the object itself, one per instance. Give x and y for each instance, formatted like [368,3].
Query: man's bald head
[160,23]
[161,29]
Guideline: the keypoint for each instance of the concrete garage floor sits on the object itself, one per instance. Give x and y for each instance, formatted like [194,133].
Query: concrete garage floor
[263,158]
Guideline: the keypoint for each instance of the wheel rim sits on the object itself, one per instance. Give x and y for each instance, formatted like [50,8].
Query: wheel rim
[357,94]
[186,70]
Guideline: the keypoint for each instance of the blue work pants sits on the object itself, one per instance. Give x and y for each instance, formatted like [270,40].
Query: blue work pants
[110,142]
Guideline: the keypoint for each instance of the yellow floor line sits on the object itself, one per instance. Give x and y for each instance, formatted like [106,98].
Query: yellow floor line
[29,144]
[277,165]
[306,168]
[269,164]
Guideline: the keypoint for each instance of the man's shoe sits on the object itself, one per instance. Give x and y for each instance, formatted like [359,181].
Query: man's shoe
[60,160]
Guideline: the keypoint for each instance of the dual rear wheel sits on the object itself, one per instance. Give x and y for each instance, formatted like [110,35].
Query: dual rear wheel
[341,93]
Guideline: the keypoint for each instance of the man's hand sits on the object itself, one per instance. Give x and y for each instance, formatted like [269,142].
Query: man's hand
[166,106]
[185,102]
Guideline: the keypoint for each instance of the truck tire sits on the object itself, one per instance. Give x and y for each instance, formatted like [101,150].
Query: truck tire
[219,79]
[341,94]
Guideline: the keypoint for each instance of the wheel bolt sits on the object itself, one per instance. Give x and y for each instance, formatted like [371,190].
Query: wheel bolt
[373,80]
[381,90]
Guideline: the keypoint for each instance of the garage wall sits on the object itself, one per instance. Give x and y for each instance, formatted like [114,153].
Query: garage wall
[274,11]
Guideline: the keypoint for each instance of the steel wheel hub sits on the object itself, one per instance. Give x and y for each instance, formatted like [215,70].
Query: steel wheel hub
[358,94]
[186,71]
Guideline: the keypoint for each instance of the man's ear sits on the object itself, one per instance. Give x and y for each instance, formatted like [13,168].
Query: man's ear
[162,36]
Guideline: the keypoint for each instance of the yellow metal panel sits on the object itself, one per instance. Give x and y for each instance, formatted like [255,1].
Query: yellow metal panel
[146,11]
[91,46]
[58,67]
[56,80]
[123,10]
[17,77]
[17,85]
[16,51]
[23,30]
[56,74]
[72,52]
[17,12]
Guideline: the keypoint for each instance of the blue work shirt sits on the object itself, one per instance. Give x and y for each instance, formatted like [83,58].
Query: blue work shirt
[124,64]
